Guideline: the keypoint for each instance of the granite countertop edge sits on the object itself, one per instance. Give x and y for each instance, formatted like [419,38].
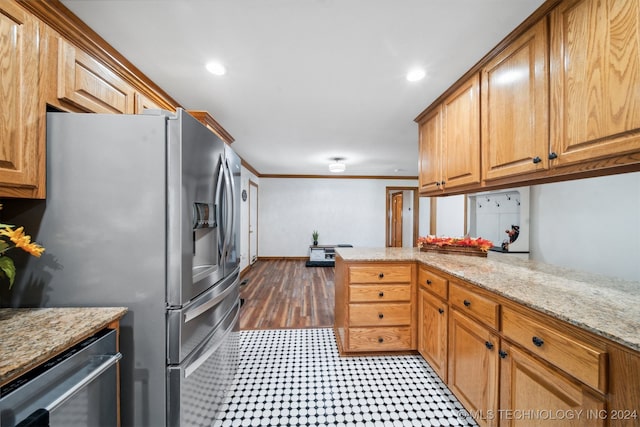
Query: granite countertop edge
[605,306]
[31,336]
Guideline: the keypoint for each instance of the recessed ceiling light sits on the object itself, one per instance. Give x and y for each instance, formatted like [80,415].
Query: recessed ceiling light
[216,68]
[415,74]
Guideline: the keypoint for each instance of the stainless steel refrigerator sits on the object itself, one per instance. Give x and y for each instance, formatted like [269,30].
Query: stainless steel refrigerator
[142,211]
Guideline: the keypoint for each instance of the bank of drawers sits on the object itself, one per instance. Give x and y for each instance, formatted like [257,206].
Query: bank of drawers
[380,307]
[582,360]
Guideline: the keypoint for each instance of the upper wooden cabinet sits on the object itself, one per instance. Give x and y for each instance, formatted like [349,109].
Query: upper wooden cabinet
[430,146]
[515,108]
[88,84]
[559,101]
[207,119]
[20,152]
[450,141]
[595,80]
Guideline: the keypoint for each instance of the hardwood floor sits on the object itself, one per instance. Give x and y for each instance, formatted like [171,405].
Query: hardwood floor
[287,294]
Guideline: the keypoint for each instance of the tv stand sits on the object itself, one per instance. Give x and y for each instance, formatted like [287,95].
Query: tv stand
[323,255]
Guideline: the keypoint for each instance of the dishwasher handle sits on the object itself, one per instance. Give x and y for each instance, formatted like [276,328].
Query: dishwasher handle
[95,373]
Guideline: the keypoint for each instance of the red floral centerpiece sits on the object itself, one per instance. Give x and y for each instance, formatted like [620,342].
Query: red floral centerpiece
[455,245]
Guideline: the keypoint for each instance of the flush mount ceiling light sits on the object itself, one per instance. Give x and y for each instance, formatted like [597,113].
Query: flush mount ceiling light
[216,68]
[415,74]
[337,165]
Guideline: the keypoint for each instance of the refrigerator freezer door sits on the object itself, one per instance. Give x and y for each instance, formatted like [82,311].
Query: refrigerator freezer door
[189,326]
[197,387]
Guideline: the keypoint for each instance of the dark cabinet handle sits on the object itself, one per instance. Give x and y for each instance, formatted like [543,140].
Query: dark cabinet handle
[553,155]
[381,294]
[537,159]
[428,282]
[381,275]
[442,182]
[380,340]
[488,345]
[440,310]
[537,341]
[380,315]
[503,354]
[466,303]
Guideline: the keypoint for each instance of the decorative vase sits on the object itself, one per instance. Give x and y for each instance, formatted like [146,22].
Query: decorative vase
[315,243]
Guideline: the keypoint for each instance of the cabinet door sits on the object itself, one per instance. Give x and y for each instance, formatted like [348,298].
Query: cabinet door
[515,106]
[19,152]
[430,157]
[527,387]
[88,84]
[432,331]
[473,367]
[595,79]
[461,135]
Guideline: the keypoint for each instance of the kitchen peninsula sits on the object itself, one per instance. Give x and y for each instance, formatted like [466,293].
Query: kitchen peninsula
[503,334]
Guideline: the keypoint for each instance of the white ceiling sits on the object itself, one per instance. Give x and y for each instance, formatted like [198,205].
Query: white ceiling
[308,80]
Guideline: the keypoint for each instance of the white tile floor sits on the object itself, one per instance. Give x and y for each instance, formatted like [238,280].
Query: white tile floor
[295,377]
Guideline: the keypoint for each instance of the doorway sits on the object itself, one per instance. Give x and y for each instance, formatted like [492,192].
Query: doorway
[402,216]
[253,222]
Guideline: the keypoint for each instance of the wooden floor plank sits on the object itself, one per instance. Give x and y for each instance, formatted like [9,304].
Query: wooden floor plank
[285,294]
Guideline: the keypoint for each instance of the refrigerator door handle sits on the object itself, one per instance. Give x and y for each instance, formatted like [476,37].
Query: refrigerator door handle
[196,311]
[219,202]
[193,366]
[228,193]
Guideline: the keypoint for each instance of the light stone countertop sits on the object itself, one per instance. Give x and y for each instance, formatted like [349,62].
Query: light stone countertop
[605,306]
[31,336]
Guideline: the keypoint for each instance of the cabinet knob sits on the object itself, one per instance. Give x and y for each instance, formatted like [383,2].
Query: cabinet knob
[503,354]
[440,310]
[437,183]
[553,155]
[537,341]
[381,275]
[442,182]
[537,159]
[380,315]
[466,303]
[488,345]
[428,282]
[380,340]
[381,294]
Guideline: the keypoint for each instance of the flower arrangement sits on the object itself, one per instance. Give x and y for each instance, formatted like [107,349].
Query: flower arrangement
[465,242]
[12,237]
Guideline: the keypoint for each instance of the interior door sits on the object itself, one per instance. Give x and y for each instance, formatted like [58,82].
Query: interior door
[253,222]
[396,220]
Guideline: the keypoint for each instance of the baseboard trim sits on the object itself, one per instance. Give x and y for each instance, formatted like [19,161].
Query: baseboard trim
[283,258]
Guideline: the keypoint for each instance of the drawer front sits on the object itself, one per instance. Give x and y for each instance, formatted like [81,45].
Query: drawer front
[479,307]
[433,283]
[584,361]
[379,314]
[375,293]
[380,339]
[380,273]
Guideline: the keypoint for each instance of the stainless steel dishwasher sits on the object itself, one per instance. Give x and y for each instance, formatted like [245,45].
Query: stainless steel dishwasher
[75,388]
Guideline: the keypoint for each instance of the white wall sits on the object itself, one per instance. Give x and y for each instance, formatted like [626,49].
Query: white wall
[450,216]
[245,176]
[342,210]
[591,225]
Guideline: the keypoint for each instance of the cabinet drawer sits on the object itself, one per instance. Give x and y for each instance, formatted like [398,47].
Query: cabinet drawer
[584,361]
[479,307]
[382,339]
[379,314]
[382,273]
[374,293]
[433,283]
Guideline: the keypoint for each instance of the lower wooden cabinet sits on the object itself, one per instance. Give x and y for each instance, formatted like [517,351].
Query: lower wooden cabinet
[375,306]
[433,316]
[473,367]
[532,394]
